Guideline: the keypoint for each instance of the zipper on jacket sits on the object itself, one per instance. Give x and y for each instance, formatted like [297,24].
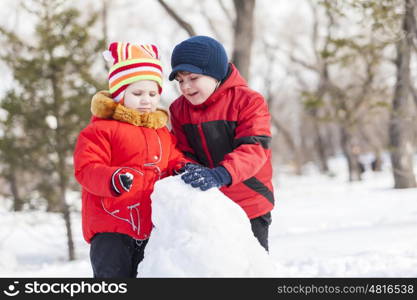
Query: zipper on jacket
[205,147]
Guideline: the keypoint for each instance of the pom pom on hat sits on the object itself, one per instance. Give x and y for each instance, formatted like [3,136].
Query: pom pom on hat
[132,63]
[108,56]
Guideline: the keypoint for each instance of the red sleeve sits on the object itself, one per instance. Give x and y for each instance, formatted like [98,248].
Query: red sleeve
[176,158]
[252,140]
[92,158]
[182,143]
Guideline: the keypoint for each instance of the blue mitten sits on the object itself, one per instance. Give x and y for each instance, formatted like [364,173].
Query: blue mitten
[205,178]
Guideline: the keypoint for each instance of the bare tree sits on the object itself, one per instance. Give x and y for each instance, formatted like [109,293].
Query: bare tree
[180,21]
[320,66]
[242,25]
[401,119]
[271,98]
[243,35]
[344,102]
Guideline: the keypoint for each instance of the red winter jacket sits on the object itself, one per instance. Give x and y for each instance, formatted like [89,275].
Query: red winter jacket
[103,147]
[232,129]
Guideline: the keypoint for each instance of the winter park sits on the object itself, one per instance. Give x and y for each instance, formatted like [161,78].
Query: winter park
[115,130]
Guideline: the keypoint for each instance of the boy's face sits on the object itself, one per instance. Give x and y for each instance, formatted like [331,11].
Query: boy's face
[142,95]
[196,88]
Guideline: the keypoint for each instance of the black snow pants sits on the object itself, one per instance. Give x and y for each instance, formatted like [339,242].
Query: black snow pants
[260,228]
[116,255]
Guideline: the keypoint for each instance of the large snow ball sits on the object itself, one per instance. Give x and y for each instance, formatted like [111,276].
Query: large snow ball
[200,234]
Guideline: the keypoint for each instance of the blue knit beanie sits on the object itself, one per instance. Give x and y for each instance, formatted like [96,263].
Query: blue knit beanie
[200,55]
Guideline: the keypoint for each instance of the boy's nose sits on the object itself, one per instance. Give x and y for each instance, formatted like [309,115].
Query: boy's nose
[185,86]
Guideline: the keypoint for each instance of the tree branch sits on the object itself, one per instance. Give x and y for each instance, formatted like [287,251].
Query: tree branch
[181,22]
[226,12]
[303,63]
[210,22]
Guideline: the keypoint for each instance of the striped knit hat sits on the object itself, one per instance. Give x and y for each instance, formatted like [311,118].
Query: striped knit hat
[132,63]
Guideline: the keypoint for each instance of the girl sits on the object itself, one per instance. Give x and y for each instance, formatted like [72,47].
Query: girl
[119,156]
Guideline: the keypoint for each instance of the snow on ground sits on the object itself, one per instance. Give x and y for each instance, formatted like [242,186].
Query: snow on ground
[328,227]
[322,227]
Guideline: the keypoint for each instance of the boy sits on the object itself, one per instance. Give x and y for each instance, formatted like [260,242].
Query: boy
[224,127]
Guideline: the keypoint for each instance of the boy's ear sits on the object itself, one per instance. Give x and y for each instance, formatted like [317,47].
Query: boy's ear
[102,105]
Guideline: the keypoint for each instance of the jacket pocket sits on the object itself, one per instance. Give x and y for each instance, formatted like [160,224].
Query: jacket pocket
[125,208]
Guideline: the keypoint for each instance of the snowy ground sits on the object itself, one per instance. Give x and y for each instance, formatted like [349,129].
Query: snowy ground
[322,227]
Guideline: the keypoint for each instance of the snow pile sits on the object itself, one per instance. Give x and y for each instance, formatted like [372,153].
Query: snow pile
[200,234]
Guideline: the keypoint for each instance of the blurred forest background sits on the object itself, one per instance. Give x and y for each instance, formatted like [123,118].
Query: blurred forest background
[339,77]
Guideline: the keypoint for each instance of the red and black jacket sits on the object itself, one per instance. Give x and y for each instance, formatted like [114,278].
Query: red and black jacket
[232,129]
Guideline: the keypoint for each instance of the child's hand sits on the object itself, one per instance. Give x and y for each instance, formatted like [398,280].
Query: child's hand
[122,181]
[205,178]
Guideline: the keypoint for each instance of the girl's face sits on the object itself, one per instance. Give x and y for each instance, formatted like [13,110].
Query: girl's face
[142,95]
[196,88]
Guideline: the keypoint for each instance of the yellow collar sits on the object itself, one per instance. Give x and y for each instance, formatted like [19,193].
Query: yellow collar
[104,107]
[155,120]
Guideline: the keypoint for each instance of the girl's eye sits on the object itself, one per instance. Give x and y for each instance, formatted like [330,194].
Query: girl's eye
[137,94]
[193,78]
[152,94]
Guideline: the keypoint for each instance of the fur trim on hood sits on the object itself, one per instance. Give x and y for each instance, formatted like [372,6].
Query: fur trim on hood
[103,106]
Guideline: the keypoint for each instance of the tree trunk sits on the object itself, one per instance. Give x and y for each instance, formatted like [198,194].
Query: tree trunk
[297,158]
[352,155]
[17,200]
[320,147]
[319,142]
[376,164]
[66,214]
[243,35]
[63,183]
[401,124]
[59,140]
